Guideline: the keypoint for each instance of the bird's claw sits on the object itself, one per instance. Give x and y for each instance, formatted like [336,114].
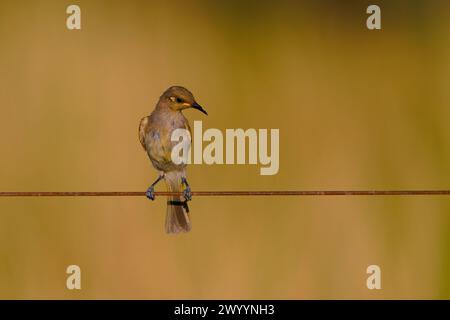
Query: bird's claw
[187,193]
[150,193]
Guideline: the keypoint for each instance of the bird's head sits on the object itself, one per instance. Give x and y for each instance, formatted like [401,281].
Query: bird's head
[179,98]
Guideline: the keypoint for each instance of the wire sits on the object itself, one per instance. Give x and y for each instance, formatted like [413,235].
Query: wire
[232,193]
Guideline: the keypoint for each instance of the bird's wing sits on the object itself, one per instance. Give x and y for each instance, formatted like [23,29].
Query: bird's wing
[142,131]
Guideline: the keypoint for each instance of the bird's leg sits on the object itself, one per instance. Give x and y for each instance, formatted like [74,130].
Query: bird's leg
[187,191]
[151,190]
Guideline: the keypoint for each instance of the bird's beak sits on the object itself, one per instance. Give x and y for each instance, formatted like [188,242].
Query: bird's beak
[195,105]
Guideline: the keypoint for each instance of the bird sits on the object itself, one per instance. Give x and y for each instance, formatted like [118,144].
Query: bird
[155,132]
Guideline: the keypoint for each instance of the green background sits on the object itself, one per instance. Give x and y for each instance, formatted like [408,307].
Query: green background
[356,109]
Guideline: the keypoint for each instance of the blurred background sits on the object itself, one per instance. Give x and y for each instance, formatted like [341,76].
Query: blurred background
[356,109]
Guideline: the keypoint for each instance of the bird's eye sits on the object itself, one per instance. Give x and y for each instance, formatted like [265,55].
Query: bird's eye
[179,100]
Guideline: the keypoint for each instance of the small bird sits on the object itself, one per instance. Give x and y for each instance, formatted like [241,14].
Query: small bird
[155,132]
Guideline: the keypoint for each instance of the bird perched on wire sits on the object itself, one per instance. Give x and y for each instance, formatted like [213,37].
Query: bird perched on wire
[155,132]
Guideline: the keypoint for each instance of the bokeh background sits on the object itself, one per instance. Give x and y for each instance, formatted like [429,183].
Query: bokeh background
[356,109]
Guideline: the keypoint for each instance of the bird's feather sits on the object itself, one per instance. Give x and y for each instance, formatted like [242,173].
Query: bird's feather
[142,132]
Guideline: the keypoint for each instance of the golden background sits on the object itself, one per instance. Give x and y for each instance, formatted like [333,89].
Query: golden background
[356,109]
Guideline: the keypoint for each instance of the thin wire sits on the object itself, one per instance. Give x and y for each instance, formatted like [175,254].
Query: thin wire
[232,193]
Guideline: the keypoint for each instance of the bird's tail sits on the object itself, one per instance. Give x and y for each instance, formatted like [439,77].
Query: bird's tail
[177,217]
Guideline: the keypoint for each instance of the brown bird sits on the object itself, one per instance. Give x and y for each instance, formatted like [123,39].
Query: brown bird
[155,132]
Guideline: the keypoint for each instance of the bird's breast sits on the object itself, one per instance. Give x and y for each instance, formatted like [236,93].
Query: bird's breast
[159,142]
